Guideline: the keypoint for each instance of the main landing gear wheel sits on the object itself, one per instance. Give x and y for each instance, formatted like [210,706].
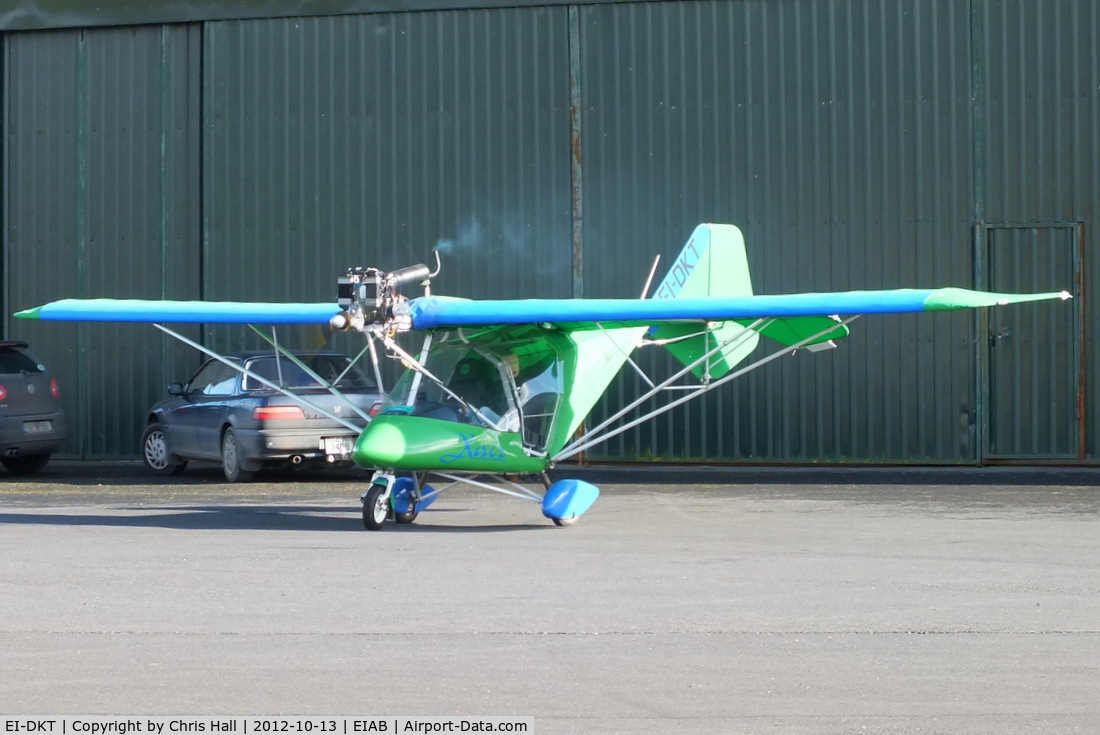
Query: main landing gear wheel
[571,521]
[405,517]
[410,515]
[376,506]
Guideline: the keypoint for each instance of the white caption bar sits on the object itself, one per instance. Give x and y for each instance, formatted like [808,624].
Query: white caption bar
[255,725]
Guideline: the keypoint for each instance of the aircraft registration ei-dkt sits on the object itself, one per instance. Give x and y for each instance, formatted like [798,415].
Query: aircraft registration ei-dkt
[500,388]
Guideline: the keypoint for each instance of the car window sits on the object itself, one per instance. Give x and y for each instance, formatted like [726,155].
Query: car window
[213,379]
[328,367]
[14,361]
[331,367]
[280,372]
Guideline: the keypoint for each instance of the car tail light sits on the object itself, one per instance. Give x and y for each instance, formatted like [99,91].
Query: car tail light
[54,390]
[3,393]
[375,410]
[278,413]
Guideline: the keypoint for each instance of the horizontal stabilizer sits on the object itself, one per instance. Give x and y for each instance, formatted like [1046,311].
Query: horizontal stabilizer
[689,344]
[809,331]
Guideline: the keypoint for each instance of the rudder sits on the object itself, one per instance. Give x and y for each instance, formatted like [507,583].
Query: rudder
[712,263]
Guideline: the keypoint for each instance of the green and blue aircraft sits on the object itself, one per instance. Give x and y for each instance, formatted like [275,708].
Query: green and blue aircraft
[500,388]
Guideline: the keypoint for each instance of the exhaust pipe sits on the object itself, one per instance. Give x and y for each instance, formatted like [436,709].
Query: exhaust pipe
[296,459]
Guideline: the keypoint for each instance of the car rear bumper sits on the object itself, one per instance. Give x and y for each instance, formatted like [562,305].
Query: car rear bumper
[26,436]
[267,445]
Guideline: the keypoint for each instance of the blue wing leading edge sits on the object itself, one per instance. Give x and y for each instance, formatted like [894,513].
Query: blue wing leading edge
[433,312]
[181,312]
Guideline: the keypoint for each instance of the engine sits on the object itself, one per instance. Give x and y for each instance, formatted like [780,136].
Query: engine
[372,299]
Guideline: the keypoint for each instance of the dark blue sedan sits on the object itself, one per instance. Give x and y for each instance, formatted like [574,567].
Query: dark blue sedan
[239,420]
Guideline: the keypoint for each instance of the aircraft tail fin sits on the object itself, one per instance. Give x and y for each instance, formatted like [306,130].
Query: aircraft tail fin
[712,263]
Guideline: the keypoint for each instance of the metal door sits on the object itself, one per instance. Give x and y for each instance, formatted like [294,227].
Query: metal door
[1034,393]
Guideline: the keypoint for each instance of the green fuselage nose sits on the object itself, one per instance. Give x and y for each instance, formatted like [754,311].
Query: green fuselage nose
[417,443]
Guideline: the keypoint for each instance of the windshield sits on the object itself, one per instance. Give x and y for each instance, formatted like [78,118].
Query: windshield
[513,387]
[475,377]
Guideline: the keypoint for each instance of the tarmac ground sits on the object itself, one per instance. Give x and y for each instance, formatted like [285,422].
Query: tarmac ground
[686,600]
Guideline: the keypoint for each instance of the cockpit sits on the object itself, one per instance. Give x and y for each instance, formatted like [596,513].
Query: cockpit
[506,386]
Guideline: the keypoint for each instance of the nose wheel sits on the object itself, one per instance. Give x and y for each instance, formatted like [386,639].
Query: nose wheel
[376,506]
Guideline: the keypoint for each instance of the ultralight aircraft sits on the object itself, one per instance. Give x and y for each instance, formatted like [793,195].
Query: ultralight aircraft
[500,388]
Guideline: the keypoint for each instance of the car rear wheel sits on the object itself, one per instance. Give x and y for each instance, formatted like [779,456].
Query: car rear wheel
[25,465]
[155,452]
[232,461]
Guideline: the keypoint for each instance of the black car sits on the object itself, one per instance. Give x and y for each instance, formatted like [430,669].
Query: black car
[32,424]
[222,415]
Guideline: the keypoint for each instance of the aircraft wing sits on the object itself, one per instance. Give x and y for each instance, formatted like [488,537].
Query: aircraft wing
[435,312]
[181,312]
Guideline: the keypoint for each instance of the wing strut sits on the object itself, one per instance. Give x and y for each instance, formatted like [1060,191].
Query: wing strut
[263,381]
[355,360]
[588,440]
[626,355]
[374,361]
[518,491]
[593,436]
[330,387]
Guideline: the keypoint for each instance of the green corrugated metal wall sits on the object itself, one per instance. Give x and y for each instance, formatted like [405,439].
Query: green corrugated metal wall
[836,136]
[1039,192]
[857,144]
[100,183]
